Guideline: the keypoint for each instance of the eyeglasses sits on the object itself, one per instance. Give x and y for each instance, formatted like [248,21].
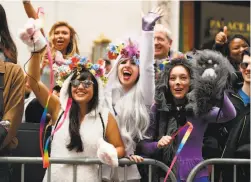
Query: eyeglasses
[244,65]
[85,83]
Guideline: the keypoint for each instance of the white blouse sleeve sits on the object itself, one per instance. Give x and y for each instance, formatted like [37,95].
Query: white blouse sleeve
[147,75]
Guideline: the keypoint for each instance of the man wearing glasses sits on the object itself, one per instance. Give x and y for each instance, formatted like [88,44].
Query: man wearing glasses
[244,92]
[238,141]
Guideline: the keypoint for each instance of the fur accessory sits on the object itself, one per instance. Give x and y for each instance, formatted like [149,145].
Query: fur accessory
[163,96]
[211,77]
[107,153]
[32,36]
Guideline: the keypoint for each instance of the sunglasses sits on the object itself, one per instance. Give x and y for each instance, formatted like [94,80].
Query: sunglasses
[244,65]
[85,83]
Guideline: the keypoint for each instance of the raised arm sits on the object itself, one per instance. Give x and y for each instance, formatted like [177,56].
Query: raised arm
[146,79]
[226,113]
[147,75]
[29,9]
[40,89]
[220,41]
[35,41]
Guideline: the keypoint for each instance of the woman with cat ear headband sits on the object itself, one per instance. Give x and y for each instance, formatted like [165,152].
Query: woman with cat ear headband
[130,92]
[181,95]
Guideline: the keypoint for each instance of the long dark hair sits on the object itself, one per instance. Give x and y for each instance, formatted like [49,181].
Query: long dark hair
[7,43]
[76,142]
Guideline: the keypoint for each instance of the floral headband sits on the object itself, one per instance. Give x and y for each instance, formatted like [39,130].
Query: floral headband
[76,63]
[169,59]
[127,49]
[162,65]
[114,50]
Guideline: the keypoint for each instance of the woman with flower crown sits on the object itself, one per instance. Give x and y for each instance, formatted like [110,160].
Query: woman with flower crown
[129,93]
[80,123]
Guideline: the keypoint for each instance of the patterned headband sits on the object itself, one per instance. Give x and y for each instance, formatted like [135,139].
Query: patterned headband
[63,68]
[127,49]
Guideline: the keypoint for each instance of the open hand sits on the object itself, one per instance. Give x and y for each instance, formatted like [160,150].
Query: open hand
[149,20]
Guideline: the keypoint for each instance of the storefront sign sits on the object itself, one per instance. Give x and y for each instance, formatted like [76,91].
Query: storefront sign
[233,27]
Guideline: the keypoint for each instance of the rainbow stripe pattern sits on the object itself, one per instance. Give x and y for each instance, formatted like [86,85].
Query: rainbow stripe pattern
[44,153]
[183,141]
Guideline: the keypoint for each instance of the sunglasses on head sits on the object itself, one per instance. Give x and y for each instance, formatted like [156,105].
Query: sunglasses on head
[244,65]
[85,83]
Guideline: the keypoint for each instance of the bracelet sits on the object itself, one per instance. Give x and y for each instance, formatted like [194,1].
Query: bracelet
[39,51]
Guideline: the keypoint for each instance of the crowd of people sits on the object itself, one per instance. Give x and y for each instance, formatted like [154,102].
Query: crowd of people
[138,102]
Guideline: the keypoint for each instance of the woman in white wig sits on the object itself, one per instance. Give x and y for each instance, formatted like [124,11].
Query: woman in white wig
[130,92]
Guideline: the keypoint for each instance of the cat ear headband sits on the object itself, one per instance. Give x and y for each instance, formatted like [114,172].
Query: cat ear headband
[127,50]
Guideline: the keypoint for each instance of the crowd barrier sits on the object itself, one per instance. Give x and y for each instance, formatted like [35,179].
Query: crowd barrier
[83,161]
[212,162]
[26,160]
[28,152]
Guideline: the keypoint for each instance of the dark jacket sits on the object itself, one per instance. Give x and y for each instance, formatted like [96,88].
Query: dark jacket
[238,142]
[230,140]
[162,123]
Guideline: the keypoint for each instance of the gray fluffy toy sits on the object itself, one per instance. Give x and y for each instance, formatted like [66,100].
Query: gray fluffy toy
[212,72]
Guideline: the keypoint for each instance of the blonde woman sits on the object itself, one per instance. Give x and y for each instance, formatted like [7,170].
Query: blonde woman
[62,38]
